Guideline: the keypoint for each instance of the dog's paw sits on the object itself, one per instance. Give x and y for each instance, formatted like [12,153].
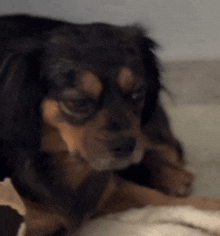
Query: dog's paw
[198,202]
[175,181]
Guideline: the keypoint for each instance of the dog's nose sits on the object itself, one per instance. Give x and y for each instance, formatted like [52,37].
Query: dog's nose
[122,147]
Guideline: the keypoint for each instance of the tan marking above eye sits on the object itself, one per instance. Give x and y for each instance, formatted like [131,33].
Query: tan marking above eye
[91,84]
[126,79]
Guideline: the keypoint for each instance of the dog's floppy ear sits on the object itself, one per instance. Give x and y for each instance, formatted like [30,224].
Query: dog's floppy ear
[20,96]
[151,65]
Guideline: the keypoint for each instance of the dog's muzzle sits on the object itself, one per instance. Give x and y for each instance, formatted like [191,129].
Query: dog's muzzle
[122,147]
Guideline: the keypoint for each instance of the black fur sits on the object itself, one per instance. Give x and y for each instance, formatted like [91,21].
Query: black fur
[28,56]
[10,221]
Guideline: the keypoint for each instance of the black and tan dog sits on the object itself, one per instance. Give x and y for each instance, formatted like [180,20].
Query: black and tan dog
[80,119]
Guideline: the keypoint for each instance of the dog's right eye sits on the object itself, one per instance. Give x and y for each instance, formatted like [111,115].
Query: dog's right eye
[138,94]
[78,107]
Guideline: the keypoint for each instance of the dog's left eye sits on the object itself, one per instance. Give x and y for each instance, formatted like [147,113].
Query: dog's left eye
[138,94]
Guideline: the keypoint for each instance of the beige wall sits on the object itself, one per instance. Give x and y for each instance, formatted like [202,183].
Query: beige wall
[184,28]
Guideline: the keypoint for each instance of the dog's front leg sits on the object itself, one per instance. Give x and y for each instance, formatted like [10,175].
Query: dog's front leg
[147,196]
[129,195]
[162,166]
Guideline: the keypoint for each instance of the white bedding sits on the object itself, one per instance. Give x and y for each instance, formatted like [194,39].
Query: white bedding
[156,221]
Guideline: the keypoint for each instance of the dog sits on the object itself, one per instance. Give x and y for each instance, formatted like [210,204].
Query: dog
[82,130]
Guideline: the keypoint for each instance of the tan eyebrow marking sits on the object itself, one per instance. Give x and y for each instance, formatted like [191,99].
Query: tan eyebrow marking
[126,79]
[90,83]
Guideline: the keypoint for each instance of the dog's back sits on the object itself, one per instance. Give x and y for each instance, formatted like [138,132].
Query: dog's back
[21,26]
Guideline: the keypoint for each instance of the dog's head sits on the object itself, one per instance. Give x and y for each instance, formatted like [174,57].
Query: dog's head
[94,85]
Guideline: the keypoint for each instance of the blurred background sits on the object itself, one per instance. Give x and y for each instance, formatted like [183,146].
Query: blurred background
[189,34]
[184,28]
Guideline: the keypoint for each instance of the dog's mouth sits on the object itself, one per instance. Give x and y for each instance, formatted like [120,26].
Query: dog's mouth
[112,153]
[106,161]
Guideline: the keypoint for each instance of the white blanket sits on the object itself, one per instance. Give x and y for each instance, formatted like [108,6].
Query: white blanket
[156,221]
